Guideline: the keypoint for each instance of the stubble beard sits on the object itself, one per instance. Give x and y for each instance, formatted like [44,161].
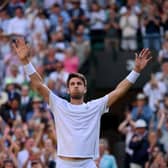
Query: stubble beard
[77,96]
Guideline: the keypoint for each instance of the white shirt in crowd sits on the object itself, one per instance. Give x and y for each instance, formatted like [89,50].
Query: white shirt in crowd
[18,26]
[78,126]
[129,25]
[154,94]
[97,19]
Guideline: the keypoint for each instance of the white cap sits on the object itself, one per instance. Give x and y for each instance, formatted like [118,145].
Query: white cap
[140,96]
[140,123]
[123,11]
[60,46]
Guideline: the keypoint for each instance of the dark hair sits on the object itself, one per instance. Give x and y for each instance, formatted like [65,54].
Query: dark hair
[77,75]
[8,161]
[34,162]
[164,60]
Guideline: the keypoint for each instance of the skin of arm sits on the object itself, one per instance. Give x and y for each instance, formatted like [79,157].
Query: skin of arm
[23,53]
[141,62]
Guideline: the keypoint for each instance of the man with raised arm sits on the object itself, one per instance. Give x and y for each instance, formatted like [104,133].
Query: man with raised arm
[78,123]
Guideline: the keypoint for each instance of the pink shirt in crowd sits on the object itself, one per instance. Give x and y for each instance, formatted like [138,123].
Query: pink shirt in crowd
[71,64]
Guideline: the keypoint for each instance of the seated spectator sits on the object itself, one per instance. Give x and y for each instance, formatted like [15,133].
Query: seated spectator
[129,26]
[11,111]
[163,53]
[157,160]
[40,25]
[23,155]
[49,61]
[163,74]
[127,127]
[155,91]
[8,163]
[142,110]
[55,13]
[18,25]
[82,48]
[15,75]
[139,144]
[77,14]
[112,29]
[164,136]
[105,160]
[60,76]
[71,61]
[49,152]
[97,20]
[37,164]
[152,23]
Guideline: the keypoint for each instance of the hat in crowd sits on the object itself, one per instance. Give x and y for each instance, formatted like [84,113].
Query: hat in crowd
[123,11]
[140,96]
[60,46]
[140,123]
[9,81]
[37,99]
[3,98]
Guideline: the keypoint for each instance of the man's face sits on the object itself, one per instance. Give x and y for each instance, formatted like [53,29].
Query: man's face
[37,165]
[101,149]
[19,13]
[76,88]
[8,165]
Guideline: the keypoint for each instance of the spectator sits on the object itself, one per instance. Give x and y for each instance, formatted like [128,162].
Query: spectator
[49,61]
[71,61]
[155,91]
[18,25]
[97,24]
[8,163]
[60,77]
[152,25]
[164,16]
[163,53]
[163,74]
[23,155]
[106,160]
[4,20]
[77,14]
[129,26]
[141,110]
[54,16]
[50,154]
[11,112]
[112,29]
[40,25]
[127,127]
[139,144]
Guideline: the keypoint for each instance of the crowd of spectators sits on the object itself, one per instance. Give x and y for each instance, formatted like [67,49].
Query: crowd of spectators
[61,34]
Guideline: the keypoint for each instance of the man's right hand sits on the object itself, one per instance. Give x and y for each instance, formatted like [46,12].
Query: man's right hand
[22,50]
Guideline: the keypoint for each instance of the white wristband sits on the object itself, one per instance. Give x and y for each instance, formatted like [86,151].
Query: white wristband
[133,76]
[29,69]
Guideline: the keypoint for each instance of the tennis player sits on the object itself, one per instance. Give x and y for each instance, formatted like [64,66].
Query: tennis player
[77,122]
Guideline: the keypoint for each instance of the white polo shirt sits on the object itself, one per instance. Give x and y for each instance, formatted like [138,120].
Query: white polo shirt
[78,126]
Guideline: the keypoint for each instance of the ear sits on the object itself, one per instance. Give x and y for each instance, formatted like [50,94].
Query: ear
[85,90]
[68,90]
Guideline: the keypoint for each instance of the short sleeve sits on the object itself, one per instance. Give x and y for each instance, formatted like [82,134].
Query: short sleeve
[100,104]
[55,102]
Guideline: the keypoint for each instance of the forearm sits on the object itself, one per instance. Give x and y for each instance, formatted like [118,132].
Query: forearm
[123,87]
[122,126]
[36,81]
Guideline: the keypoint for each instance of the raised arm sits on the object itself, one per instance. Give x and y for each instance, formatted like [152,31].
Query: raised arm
[141,61]
[23,52]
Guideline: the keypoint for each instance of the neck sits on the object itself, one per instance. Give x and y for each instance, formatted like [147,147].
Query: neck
[76,101]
